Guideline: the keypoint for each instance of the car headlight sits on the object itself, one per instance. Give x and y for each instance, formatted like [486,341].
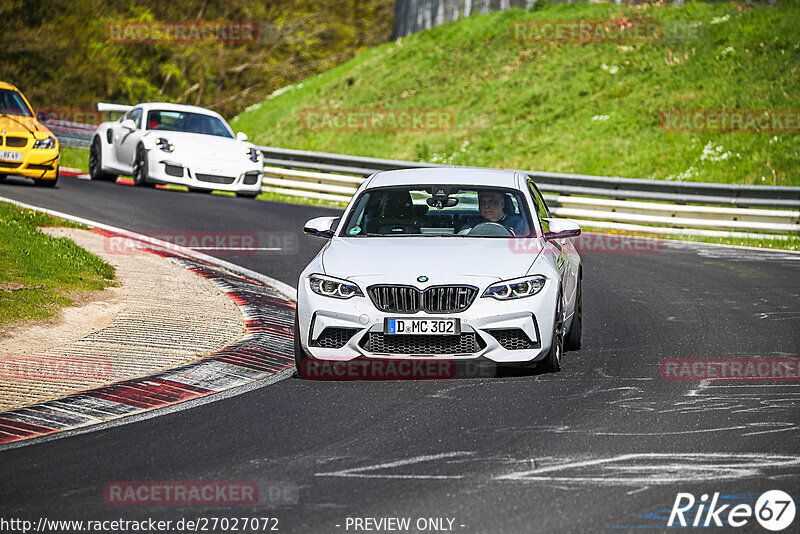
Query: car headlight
[50,142]
[516,289]
[333,287]
[254,154]
[164,144]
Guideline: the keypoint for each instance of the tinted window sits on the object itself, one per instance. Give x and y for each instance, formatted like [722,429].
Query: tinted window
[11,103]
[432,211]
[181,121]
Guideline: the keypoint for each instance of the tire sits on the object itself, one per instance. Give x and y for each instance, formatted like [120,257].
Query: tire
[572,341]
[552,362]
[46,183]
[249,194]
[140,171]
[2,178]
[96,163]
[300,356]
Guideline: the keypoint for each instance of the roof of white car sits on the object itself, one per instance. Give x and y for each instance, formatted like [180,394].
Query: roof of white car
[445,176]
[166,106]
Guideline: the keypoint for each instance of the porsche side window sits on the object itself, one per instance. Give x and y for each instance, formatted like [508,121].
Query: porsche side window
[136,117]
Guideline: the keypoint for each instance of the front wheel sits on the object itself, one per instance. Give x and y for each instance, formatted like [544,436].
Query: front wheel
[140,172]
[552,362]
[573,338]
[300,356]
[45,183]
[96,162]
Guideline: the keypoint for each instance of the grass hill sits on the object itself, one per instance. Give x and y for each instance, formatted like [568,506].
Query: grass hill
[589,108]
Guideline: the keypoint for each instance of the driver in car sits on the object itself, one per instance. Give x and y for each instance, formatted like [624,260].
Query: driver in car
[491,205]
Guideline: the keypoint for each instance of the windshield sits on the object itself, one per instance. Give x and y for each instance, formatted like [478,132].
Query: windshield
[12,103]
[182,121]
[439,211]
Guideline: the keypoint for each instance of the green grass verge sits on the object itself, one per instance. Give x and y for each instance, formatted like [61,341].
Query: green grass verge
[591,108]
[75,158]
[40,274]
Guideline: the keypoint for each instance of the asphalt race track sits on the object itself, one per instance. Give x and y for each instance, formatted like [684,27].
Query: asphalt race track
[605,445]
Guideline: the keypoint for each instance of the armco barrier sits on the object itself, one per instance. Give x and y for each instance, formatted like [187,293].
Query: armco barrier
[652,206]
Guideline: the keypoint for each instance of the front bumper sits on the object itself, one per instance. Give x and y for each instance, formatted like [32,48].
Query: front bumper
[211,175]
[39,163]
[487,319]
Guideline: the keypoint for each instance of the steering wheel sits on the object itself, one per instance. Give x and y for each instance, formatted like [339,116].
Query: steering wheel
[489,229]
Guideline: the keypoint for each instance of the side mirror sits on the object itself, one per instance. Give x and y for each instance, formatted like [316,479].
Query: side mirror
[562,228]
[42,116]
[241,136]
[128,124]
[321,226]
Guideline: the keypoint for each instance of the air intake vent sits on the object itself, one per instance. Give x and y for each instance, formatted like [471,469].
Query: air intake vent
[379,343]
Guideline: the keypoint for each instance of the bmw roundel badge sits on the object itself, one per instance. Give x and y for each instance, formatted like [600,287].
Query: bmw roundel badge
[422,279]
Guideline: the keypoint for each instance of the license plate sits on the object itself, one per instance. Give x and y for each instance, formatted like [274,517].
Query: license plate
[8,155]
[423,327]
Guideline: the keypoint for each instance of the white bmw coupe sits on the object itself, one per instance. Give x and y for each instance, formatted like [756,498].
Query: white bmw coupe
[159,143]
[447,263]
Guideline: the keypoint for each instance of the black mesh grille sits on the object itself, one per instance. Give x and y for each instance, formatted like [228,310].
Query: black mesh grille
[16,141]
[334,338]
[211,178]
[9,164]
[408,299]
[377,342]
[38,167]
[173,170]
[513,339]
[395,299]
[250,179]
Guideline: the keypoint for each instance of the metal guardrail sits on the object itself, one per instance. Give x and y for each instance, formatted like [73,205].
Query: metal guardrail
[643,205]
[71,134]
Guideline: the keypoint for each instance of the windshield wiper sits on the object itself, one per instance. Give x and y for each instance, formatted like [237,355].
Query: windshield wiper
[6,115]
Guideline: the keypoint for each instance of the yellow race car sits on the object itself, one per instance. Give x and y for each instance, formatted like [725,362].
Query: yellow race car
[27,147]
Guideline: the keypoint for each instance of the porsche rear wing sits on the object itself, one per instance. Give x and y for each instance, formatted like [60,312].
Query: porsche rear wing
[103,106]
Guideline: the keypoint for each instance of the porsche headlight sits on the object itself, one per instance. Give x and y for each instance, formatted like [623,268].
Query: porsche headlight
[50,142]
[333,287]
[254,154]
[164,144]
[516,289]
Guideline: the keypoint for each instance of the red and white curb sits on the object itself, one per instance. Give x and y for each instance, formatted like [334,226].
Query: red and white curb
[263,356]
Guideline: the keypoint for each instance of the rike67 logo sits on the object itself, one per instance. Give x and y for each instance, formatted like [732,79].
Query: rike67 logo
[774,510]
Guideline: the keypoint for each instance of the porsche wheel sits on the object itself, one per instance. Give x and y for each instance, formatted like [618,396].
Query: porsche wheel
[96,163]
[140,172]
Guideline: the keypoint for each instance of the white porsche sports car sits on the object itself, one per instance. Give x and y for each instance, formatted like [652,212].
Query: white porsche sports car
[446,263]
[159,143]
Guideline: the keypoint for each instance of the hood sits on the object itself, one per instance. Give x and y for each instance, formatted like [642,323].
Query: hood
[441,259]
[203,146]
[16,125]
